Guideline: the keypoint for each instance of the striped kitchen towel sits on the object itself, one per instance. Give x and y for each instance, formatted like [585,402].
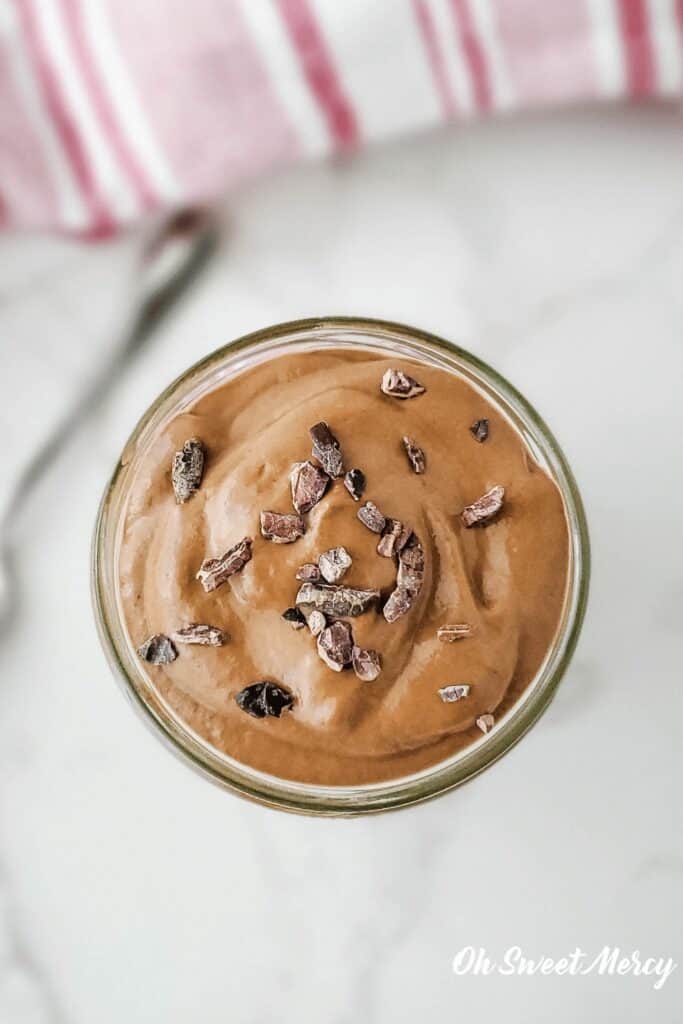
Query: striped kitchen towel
[110,109]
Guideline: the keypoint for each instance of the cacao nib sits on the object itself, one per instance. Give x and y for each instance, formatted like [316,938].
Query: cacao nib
[450,633]
[334,564]
[397,384]
[371,517]
[409,580]
[411,566]
[214,572]
[394,538]
[294,617]
[416,456]
[188,469]
[398,603]
[480,430]
[308,484]
[158,650]
[338,601]
[366,664]
[264,699]
[354,482]
[449,694]
[484,509]
[308,572]
[316,622]
[198,633]
[326,449]
[282,528]
[335,645]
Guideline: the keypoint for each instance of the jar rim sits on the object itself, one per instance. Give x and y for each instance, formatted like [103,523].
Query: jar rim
[231,359]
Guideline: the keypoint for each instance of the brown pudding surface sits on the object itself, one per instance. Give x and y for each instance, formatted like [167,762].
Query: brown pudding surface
[507,580]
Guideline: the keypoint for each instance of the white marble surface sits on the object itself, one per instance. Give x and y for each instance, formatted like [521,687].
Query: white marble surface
[130,889]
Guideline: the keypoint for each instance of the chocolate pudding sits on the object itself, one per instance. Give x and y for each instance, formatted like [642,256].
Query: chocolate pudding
[341,568]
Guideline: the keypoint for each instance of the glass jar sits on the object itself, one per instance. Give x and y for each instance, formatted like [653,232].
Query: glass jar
[206,375]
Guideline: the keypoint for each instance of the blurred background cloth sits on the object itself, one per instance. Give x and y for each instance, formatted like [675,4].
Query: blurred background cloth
[110,109]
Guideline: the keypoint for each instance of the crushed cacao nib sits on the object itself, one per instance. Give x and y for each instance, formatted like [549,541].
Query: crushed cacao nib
[485,723]
[394,538]
[449,694]
[334,564]
[371,517]
[326,449]
[366,664]
[480,430]
[214,572]
[411,566]
[448,634]
[387,542]
[398,603]
[354,482]
[397,384]
[341,601]
[294,617]
[188,469]
[282,528]
[263,699]
[484,509]
[316,622]
[409,579]
[335,645]
[308,572]
[308,484]
[199,633]
[416,456]
[158,650]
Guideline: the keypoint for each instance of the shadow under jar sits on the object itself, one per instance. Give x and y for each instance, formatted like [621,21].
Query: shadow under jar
[510,572]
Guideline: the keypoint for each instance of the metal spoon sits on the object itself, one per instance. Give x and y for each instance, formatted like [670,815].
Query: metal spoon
[171,261]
